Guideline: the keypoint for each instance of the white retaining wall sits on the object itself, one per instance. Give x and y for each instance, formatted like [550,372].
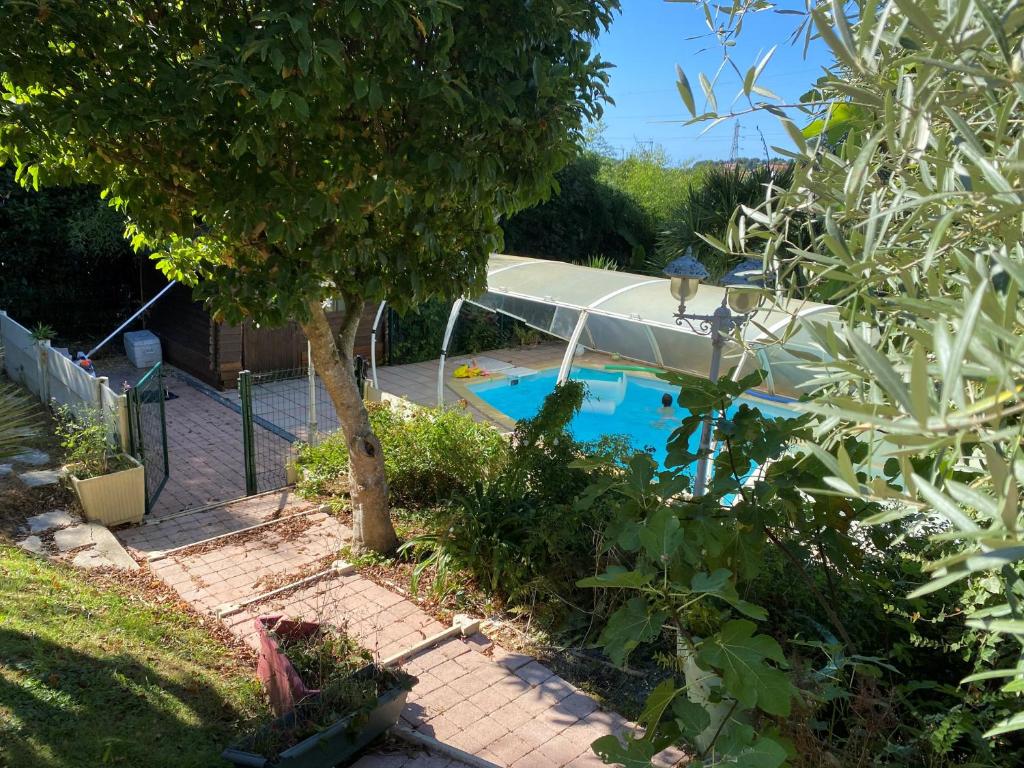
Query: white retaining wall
[53,377]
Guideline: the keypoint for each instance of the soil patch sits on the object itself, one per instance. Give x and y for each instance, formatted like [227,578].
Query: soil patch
[274,581]
[18,502]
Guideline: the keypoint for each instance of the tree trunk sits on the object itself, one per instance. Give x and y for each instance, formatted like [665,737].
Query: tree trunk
[368,487]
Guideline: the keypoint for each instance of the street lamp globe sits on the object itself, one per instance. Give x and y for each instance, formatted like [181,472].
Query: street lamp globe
[744,286]
[685,274]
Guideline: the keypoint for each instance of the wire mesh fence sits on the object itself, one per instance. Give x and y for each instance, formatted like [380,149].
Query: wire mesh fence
[148,431]
[281,408]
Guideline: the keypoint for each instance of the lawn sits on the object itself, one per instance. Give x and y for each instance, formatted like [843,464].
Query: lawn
[98,673]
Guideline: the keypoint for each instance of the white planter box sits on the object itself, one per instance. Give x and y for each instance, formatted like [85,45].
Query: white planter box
[113,499]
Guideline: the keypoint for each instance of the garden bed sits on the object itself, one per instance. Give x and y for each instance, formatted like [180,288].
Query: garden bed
[18,502]
[330,699]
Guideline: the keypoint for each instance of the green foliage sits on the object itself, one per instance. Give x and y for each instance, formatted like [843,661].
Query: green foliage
[586,216]
[648,177]
[518,533]
[605,208]
[907,205]
[706,208]
[416,335]
[430,454]
[43,332]
[18,418]
[745,579]
[333,664]
[83,434]
[63,259]
[687,558]
[279,154]
[315,165]
[323,656]
[600,262]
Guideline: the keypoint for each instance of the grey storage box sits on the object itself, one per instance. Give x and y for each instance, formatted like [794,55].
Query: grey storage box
[142,348]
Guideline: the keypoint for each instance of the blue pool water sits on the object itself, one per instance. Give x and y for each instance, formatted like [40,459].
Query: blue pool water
[617,404]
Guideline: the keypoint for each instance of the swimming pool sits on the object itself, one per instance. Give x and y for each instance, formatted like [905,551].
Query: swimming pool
[617,404]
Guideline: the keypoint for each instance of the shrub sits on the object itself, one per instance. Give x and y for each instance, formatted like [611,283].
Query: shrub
[18,422]
[708,207]
[520,533]
[416,336]
[63,259]
[429,454]
[648,177]
[586,217]
[83,435]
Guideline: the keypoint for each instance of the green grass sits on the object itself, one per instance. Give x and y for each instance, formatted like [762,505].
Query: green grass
[98,675]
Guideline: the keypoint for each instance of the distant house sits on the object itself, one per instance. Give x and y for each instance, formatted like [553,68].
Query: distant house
[215,352]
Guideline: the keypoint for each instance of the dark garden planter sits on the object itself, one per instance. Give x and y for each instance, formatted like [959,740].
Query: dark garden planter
[290,698]
[336,743]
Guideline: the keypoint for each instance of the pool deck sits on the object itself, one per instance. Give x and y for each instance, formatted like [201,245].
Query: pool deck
[417,382]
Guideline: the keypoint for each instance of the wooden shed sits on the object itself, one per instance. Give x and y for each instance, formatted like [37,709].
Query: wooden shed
[216,352]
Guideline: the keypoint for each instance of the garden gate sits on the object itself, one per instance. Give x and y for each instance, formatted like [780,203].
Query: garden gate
[147,429]
[280,408]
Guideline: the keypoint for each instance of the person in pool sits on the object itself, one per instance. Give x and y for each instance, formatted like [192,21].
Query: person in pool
[666,414]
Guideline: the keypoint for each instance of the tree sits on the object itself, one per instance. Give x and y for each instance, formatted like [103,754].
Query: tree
[64,260]
[907,202]
[586,217]
[278,154]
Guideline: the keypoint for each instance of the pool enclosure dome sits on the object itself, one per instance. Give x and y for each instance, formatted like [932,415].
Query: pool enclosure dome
[633,316]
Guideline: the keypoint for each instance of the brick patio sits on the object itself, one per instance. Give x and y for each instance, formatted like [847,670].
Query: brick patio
[505,708]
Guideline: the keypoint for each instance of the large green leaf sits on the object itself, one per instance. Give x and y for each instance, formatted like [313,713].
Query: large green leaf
[633,753]
[617,576]
[658,701]
[765,752]
[633,623]
[691,717]
[741,657]
[661,536]
[720,584]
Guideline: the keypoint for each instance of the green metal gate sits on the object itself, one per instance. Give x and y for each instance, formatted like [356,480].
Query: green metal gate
[279,409]
[147,428]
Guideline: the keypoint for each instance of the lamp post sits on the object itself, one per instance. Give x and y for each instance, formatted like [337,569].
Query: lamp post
[743,291]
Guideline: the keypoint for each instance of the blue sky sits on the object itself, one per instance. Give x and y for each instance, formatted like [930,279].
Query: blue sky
[646,41]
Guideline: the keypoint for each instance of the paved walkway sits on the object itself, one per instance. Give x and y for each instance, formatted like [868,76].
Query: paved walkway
[204,441]
[503,707]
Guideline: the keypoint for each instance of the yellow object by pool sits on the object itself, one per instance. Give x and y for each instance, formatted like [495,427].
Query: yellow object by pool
[467,372]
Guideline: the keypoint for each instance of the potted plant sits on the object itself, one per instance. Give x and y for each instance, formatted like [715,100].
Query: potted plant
[110,486]
[329,698]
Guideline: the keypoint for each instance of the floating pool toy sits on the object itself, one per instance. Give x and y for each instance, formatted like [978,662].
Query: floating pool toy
[468,371]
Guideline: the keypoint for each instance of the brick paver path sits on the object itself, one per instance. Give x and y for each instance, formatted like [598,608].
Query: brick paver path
[178,531]
[204,441]
[503,707]
[204,444]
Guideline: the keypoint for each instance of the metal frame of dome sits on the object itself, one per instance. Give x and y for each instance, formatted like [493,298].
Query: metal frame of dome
[632,316]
